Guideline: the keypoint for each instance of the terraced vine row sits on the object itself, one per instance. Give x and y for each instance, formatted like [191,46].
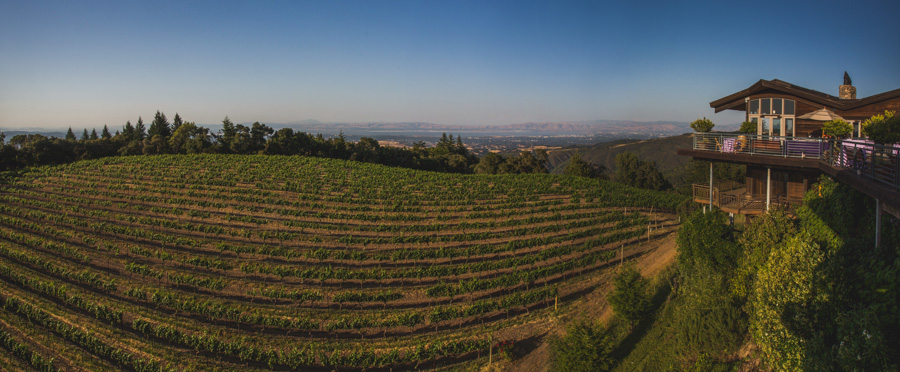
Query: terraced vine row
[265,262]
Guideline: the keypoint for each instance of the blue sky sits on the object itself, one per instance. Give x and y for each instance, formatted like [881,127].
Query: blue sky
[86,64]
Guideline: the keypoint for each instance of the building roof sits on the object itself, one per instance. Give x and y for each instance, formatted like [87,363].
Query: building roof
[735,101]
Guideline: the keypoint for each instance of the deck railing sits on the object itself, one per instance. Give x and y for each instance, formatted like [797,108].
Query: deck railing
[880,163]
[743,202]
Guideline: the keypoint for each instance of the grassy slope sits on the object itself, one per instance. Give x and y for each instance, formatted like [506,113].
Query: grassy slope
[661,151]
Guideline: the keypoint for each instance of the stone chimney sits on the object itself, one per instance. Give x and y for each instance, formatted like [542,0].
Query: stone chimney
[847,91]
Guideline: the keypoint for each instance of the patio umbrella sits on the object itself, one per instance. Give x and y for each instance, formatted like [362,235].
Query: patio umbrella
[822,114]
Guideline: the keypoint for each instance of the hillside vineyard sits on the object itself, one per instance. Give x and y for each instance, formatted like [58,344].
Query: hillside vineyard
[268,262]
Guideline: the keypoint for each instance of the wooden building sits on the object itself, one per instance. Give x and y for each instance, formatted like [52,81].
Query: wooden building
[788,154]
[777,107]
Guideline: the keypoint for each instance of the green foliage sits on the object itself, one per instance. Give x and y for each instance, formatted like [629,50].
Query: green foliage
[883,128]
[585,347]
[706,240]
[489,164]
[577,167]
[629,298]
[757,241]
[643,174]
[789,303]
[837,128]
[748,127]
[702,125]
[708,320]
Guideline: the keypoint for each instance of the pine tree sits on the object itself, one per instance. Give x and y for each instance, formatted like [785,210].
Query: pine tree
[84,135]
[139,130]
[105,133]
[159,126]
[128,131]
[176,122]
[93,134]
[70,135]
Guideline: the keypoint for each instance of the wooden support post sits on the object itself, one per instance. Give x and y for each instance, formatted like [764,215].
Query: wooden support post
[491,351]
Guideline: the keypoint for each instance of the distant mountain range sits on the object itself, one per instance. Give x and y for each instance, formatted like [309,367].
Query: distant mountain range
[557,128]
[576,128]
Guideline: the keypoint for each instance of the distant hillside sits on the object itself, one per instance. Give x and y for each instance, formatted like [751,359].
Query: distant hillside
[661,151]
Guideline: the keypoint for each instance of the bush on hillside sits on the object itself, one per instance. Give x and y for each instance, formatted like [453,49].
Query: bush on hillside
[629,298]
[584,348]
[707,240]
[789,302]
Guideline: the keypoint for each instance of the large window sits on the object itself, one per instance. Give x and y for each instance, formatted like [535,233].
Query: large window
[771,113]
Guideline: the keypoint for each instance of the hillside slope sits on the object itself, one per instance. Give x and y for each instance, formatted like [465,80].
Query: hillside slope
[292,263]
[661,151]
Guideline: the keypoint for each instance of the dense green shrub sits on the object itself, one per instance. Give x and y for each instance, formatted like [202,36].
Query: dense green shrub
[789,303]
[765,232]
[706,239]
[629,296]
[585,347]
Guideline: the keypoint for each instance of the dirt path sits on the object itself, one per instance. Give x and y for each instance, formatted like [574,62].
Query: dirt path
[591,306]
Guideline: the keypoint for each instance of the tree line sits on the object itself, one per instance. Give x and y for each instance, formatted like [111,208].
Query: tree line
[185,137]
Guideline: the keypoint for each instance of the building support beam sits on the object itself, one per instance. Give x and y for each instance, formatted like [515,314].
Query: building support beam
[877,223]
[710,186]
[768,187]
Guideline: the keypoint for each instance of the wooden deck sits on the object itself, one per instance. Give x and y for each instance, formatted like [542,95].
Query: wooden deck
[738,201]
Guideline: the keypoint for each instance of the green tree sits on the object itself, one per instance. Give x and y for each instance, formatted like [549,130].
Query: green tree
[489,164]
[70,135]
[629,298]
[159,126]
[577,167]
[84,135]
[105,133]
[176,122]
[633,172]
[705,239]
[139,130]
[757,241]
[883,128]
[94,134]
[837,128]
[789,297]
[228,134]
[702,125]
[584,348]
[748,127]
[258,135]
[128,131]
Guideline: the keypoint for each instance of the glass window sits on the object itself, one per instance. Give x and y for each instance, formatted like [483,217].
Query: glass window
[765,126]
[776,127]
[754,107]
[788,125]
[766,108]
[776,106]
[788,107]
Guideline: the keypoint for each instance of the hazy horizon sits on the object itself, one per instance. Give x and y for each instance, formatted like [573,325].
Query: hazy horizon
[469,63]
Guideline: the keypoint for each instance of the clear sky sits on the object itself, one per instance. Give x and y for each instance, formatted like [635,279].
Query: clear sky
[86,64]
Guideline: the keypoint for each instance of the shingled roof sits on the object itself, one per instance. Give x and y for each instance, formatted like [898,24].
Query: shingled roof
[735,101]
